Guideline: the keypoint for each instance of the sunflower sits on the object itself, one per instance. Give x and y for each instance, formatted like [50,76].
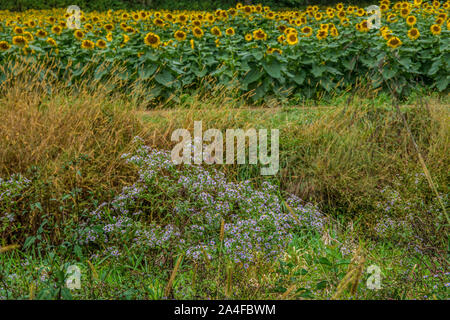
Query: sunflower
[109,37]
[334,32]
[440,21]
[442,15]
[87,44]
[292,39]
[413,33]
[384,7]
[109,27]
[230,32]
[216,31]
[130,30]
[290,30]
[152,39]
[182,19]
[57,30]
[4,45]
[270,15]
[248,37]
[78,34]
[51,42]
[259,35]
[247,9]
[324,26]
[281,38]
[41,33]
[281,27]
[404,12]
[232,12]
[345,22]
[274,50]
[126,38]
[101,43]
[19,41]
[364,26]
[392,18]
[198,32]
[197,23]
[386,34]
[88,26]
[210,18]
[18,30]
[394,42]
[435,29]
[180,35]
[28,36]
[411,20]
[322,34]
[307,31]
[159,22]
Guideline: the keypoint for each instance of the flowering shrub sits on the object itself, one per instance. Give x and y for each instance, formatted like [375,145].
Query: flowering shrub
[255,223]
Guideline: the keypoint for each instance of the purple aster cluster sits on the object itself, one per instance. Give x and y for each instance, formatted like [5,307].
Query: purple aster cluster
[400,217]
[11,191]
[257,222]
[13,187]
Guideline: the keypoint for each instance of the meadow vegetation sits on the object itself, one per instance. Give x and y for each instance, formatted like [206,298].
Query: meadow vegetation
[70,197]
[86,180]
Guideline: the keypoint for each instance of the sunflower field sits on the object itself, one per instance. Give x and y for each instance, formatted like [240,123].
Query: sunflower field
[265,52]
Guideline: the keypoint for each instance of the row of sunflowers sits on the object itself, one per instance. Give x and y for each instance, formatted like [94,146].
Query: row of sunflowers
[269,53]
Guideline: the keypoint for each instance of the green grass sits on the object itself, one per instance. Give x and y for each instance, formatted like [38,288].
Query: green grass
[312,267]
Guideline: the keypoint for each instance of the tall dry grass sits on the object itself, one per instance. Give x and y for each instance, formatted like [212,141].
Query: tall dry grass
[68,141]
